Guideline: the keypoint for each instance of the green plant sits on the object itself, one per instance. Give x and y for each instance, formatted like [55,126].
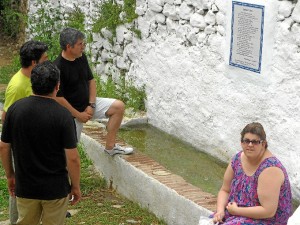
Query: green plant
[106,89]
[47,23]
[6,72]
[109,15]
[3,195]
[76,19]
[2,96]
[11,18]
[129,9]
[87,184]
[136,97]
[137,32]
[132,96]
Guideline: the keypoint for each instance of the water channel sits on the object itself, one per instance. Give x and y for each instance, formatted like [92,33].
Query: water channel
[196,167]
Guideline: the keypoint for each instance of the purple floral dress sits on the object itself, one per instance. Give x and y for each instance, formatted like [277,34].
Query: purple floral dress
[244,193]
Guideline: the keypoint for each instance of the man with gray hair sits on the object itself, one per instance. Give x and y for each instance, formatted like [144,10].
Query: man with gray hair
[78,91]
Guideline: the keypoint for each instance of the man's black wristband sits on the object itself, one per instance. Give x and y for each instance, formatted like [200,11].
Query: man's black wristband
[93,105]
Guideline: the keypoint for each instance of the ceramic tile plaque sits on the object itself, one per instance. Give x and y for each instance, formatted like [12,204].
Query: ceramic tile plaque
[247,27]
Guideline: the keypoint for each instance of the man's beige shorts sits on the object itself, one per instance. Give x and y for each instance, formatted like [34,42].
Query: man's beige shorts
[50,212]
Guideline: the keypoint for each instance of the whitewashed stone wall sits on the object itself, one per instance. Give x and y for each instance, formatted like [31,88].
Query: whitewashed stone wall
[191,92]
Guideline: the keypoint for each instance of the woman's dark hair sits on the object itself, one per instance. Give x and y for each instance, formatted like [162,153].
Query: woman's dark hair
[31,50]
[44,77]
[257,129]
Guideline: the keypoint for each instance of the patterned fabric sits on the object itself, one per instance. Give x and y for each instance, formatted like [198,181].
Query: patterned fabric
[244,193]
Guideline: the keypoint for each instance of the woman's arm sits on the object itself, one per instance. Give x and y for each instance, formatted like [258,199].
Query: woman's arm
[223,194]
[268,190]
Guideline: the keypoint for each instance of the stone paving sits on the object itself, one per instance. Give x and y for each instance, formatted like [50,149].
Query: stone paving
[159,172]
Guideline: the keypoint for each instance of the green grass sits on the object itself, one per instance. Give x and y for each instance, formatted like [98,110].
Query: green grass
[6,72]
[3,195]
[99,204]
[113,210]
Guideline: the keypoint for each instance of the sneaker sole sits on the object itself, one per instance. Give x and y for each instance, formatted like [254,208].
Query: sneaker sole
[119,152]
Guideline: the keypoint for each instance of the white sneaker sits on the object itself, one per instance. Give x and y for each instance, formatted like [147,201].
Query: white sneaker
[119,150]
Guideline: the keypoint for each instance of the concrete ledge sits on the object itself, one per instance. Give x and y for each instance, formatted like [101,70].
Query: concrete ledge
[133,183]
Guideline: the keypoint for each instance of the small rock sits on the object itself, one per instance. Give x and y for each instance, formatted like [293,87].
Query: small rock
[161,173]
[133,221]
[117,206]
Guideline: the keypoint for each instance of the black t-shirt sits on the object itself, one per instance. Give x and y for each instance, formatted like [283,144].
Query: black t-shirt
[39,129]
[74,81]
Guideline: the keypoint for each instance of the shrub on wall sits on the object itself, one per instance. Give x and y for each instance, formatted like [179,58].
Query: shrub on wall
[11,19]
[112,14]
[109,18]
[45,25]
[133,97]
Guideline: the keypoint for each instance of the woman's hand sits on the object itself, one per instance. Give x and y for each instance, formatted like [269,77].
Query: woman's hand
[232,208]
[218,217]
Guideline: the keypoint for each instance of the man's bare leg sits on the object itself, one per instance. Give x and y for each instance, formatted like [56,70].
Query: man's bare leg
[115,114]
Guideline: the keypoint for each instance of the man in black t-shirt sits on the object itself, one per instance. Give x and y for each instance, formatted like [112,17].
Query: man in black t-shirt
[78,91]
[40,134]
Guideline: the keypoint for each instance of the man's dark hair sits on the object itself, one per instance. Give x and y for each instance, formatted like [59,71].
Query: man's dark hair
[44,77]
[32,50]
[69,36]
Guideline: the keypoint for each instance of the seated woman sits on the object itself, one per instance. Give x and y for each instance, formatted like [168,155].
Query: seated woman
[256,188]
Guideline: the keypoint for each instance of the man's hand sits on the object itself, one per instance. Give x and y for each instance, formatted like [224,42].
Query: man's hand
[89,110]
[75,195]
[11,186]
[6,159]
[83,117]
